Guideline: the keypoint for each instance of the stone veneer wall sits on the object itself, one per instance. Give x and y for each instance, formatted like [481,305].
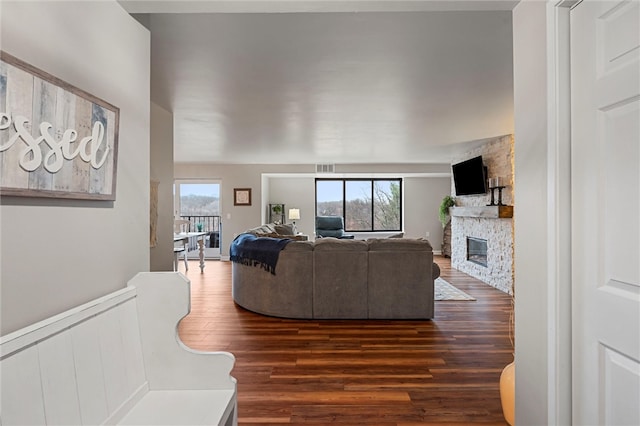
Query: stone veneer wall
[498,156]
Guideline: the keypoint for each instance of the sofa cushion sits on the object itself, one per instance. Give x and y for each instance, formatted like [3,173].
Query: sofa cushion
[340,279]
[401,244]
[276,235]
[284,229]
[299,245]
[335,244]
[268,228]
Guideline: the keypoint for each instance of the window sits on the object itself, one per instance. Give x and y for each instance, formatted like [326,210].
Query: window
[366,204]
[197,199]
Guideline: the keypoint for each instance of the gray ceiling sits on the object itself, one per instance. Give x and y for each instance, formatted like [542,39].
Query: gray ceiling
[333,87]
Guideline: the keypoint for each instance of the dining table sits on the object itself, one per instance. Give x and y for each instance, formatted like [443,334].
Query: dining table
[187,238]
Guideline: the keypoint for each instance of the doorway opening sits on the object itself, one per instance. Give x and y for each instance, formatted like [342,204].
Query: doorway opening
[198,203]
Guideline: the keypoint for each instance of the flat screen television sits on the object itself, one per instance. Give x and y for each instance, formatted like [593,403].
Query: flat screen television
[470,177]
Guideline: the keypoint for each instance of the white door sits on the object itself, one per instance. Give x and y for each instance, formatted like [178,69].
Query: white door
[605,163]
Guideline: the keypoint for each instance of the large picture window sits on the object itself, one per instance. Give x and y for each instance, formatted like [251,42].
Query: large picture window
[366,204]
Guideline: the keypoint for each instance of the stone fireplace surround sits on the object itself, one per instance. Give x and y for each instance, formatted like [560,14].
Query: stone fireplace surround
[497,154]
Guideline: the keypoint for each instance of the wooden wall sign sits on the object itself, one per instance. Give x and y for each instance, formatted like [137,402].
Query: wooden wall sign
[55,139]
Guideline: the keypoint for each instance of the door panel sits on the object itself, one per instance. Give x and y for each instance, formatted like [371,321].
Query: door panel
[605,175]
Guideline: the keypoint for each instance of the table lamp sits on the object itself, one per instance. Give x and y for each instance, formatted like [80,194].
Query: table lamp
[294,214]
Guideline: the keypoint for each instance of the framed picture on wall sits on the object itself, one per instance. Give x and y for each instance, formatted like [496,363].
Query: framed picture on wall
[242,196]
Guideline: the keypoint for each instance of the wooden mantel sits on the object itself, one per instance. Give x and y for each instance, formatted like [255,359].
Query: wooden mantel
[487,212]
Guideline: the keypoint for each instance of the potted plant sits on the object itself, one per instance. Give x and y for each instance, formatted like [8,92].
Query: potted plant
[277,213]
[447,202]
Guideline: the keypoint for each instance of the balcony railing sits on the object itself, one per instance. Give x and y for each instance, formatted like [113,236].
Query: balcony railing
[209,224]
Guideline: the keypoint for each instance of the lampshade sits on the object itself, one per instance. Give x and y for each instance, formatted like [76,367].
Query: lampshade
[294,214]
[507,393]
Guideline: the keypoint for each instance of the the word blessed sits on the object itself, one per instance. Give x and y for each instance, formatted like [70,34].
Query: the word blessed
[31,155]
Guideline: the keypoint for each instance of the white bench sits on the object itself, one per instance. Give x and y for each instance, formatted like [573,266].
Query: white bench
[116,360]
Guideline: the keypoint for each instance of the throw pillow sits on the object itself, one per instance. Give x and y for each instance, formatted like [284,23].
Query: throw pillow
[289,237]
[284,229]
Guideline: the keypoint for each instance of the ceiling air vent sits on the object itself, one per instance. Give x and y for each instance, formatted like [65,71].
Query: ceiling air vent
[325,168]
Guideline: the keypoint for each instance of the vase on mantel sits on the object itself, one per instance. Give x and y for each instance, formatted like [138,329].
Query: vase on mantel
[508,392]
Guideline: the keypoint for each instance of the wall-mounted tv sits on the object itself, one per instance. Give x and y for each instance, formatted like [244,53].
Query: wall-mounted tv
[470,177]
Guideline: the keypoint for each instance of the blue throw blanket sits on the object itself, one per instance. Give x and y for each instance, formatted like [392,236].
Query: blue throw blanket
[250,250]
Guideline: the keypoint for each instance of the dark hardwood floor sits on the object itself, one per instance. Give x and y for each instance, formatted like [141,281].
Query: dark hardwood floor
[444,371]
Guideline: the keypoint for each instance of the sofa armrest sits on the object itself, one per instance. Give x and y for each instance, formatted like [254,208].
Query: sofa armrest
[163,300]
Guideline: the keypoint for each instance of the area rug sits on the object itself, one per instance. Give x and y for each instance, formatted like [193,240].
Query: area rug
[445,291]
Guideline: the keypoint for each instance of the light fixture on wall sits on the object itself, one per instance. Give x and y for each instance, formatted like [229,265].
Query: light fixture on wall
[294,214]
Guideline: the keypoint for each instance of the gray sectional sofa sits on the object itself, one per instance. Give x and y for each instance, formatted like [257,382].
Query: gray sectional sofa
[342,279]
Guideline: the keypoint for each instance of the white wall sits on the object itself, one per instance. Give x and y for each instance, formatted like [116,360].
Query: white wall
[236,219]
[531,162]
[299,193]
[59,253]
[162,172]
[422,198]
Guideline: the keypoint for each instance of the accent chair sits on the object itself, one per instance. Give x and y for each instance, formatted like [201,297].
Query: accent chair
[331,226]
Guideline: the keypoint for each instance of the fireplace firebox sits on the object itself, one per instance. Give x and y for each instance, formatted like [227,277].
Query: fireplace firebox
[477,251]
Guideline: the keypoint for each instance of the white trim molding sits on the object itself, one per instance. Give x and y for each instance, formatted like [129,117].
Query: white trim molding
[559,213]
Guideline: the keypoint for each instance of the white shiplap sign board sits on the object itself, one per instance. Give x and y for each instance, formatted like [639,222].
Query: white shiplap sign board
[55,139]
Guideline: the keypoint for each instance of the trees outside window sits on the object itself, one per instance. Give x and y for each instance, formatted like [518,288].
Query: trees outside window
[329,198]
[365,204]
[387,205]
[197,199]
